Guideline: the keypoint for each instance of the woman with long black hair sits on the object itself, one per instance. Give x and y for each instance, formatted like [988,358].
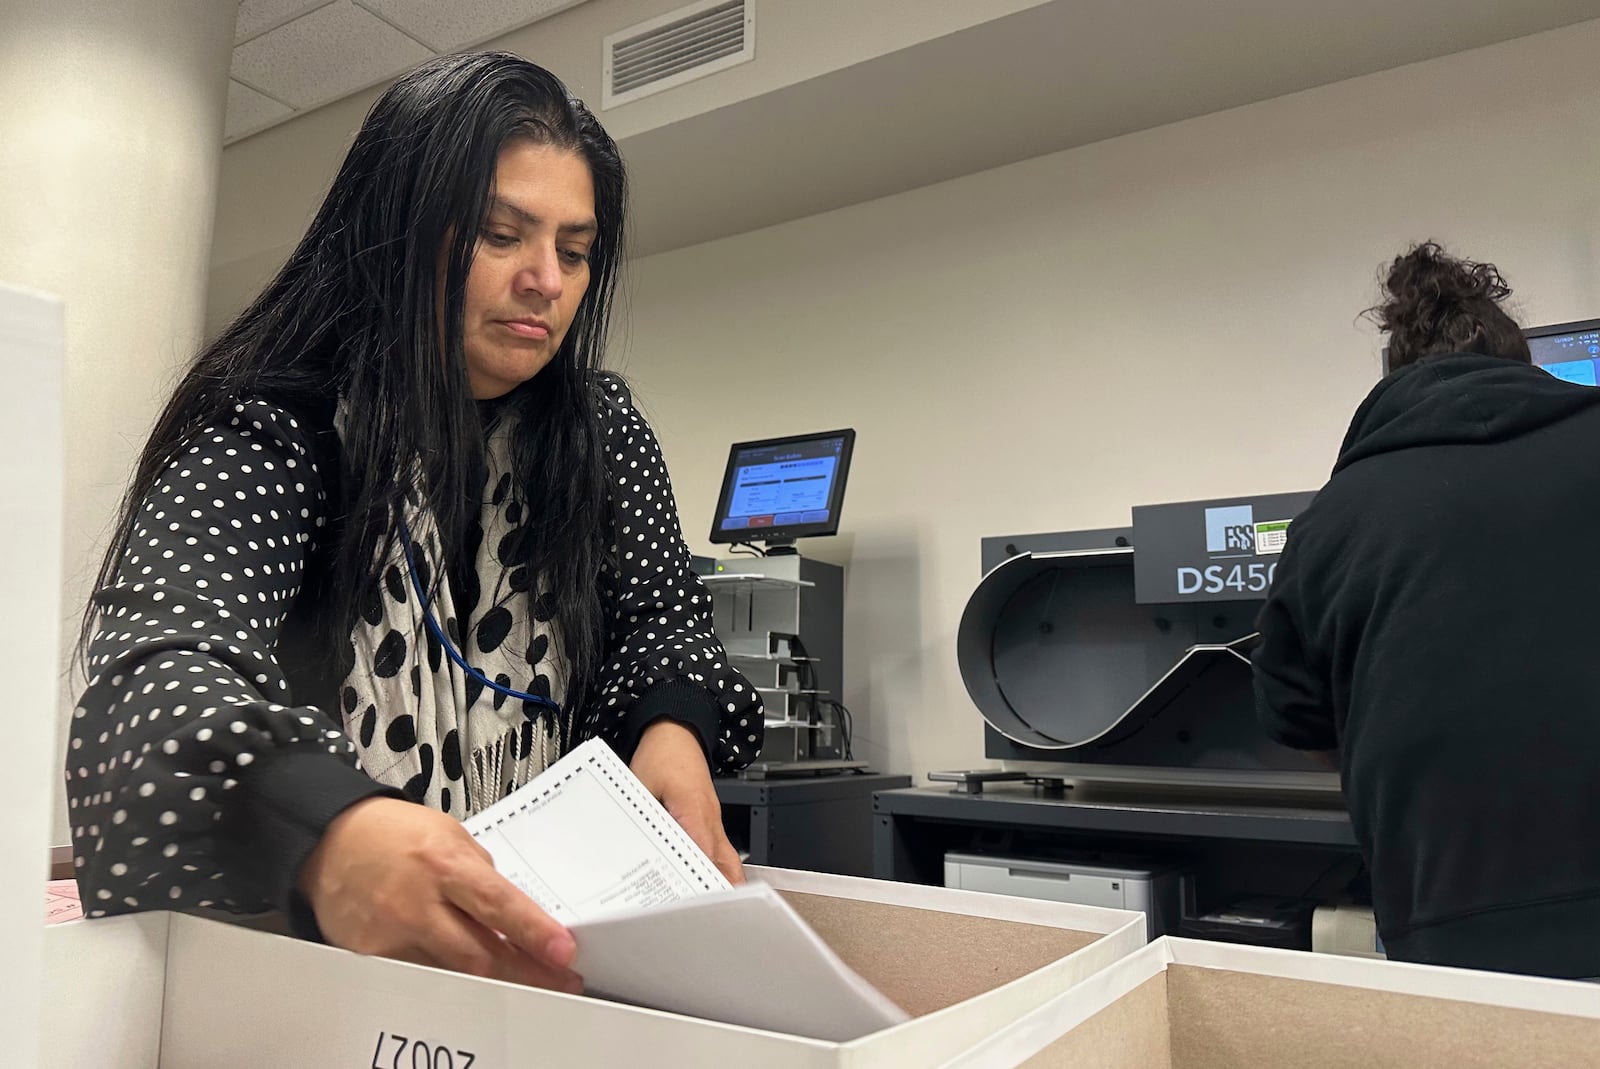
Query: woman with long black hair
[395,544]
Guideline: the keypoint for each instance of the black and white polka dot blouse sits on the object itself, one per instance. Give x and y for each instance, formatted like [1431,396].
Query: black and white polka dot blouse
[207,753]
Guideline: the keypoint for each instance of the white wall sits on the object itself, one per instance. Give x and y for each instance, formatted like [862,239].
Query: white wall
[1166,316]
[111,127]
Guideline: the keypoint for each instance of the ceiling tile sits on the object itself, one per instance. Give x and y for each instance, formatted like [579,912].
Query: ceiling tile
[257,16]
[445,27]
[328,54]
[249,111]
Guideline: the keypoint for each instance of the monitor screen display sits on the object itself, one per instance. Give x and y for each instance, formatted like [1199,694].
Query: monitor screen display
[1570,351]
[784,488]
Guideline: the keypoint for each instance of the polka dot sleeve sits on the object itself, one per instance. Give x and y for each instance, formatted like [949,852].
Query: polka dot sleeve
[662,653]
[192,780]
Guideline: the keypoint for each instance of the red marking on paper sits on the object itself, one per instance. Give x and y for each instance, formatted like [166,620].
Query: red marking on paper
[61,902]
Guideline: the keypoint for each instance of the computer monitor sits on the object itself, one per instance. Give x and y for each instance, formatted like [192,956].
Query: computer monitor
[1569,351]
[780,489]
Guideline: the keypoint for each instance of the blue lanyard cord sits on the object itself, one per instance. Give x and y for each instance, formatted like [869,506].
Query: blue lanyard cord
[449,647]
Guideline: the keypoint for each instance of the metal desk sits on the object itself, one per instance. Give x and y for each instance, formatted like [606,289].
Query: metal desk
[822,823]
[1256,845]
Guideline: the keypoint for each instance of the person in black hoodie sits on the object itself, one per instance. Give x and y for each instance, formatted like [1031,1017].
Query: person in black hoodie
[1431,622]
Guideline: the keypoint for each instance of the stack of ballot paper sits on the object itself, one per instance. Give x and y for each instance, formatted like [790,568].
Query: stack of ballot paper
[656,924]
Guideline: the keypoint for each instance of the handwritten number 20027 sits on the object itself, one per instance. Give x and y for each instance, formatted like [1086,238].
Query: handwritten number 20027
[423,1055]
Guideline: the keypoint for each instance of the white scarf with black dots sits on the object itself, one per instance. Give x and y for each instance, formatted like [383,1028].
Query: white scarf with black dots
[418,721]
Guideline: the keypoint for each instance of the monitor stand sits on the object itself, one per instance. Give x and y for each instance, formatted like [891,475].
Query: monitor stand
[783,547]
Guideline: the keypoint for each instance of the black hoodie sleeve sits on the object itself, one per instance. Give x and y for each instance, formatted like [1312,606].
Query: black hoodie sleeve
[1292,699]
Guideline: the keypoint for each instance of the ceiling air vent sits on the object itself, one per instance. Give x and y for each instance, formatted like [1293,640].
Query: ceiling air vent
[678,47]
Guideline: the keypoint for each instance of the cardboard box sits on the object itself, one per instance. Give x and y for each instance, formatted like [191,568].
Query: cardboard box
[33,362]
[1182,1004]
[180,992]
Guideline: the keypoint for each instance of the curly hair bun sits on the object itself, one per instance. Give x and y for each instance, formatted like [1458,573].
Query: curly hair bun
[1435,303]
